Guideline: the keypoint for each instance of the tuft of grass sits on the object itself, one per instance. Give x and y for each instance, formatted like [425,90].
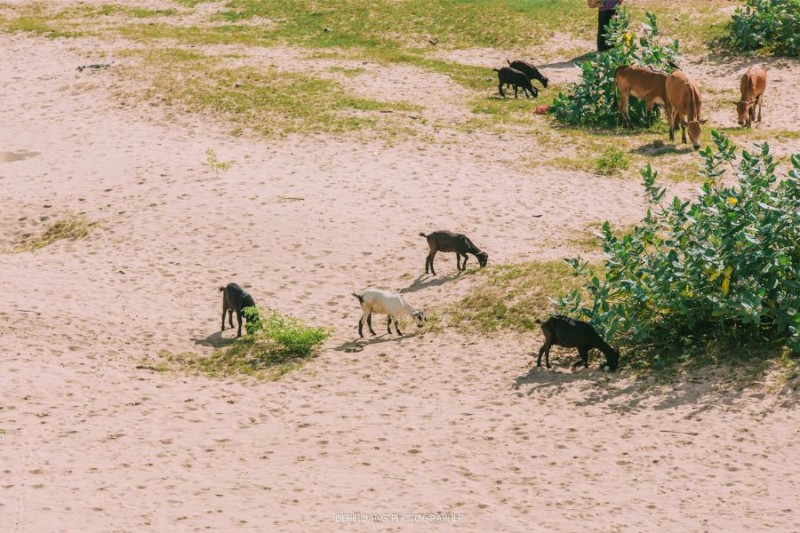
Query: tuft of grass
[611,162]
[511,297]
[275,345]
[70,227]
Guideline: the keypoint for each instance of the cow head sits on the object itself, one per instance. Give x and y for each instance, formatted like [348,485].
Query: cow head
[743,110]
[695,131]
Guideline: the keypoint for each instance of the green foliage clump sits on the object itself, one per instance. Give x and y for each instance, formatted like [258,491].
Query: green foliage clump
[726,264]
[611,161]
[277,333]
[275,344]
[769,25]
[593,101]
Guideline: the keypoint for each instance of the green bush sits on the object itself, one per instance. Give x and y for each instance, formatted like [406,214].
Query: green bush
[726,264]
[769,25]
[281,333]
[593,101]
[611,161]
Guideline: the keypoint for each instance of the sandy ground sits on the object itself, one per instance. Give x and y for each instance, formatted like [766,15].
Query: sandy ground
[428,423]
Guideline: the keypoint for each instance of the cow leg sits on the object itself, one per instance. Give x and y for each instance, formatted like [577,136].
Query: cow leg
[515,90]
[500,88]
[760,104]
[683,131]
[649,111]
[230,317]
[623,109]
[672,127]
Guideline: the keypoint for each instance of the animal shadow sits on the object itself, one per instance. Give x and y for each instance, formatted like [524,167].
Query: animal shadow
[425,281]
[215,340]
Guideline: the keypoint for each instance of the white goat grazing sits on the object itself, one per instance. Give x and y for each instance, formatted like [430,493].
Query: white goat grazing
[385,303]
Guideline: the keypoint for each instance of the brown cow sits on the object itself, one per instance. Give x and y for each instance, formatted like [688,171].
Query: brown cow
[684,103]
[644,84]
[753,84]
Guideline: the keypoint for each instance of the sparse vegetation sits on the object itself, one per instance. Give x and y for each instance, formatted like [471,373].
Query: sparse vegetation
[70,227]
[611,161]
[215,164]
[275,344]
[510,297]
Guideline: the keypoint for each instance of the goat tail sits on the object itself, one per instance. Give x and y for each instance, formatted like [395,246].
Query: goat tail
[422,235]
[538,321]
[509,62]
[359,297]
[496,69]
[221,289]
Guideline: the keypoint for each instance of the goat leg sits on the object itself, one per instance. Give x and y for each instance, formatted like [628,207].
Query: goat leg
[239,321]
[389,324]
[545,349]
[397,328]
[369,324]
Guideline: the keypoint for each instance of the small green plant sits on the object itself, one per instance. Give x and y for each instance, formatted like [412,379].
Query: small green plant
[70,227]
[725,265]
[611,161]
[216,165]
[275,344]
[593,101]
[769,25]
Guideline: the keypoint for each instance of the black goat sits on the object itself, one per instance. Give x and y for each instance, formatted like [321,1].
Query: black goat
[234,298]
[569,333]
[510,76]
[447,241]
[529,70]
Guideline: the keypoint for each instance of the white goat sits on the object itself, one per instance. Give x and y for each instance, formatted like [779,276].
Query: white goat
[385,303]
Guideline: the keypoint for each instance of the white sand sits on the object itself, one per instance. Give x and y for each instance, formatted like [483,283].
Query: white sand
[431,423]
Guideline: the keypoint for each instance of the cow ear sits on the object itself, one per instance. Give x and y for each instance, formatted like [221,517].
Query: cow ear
[703,120]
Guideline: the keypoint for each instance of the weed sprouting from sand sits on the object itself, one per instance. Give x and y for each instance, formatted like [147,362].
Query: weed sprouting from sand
[612,161]
[215,164]
[70,227]
[275,344]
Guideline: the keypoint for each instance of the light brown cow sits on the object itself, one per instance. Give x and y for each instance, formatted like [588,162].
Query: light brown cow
[753,84]
[644,84]
[684,103]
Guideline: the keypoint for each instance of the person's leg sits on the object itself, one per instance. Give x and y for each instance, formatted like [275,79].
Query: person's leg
[604,17]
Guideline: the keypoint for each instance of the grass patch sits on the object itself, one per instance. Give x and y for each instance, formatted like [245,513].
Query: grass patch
[279,345]
[511,297]
[611,162]
[265,100]
[70,227]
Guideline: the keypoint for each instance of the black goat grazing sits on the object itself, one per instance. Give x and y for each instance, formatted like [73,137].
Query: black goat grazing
[510,76]
[447,241]
[529,70]
[234,298]
[569,333]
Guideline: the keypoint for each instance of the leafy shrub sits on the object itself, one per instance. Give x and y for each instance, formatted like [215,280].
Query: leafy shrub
[281,333]
[726,264]
[770,25]
[593,101]
[611,161]
[275,344]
